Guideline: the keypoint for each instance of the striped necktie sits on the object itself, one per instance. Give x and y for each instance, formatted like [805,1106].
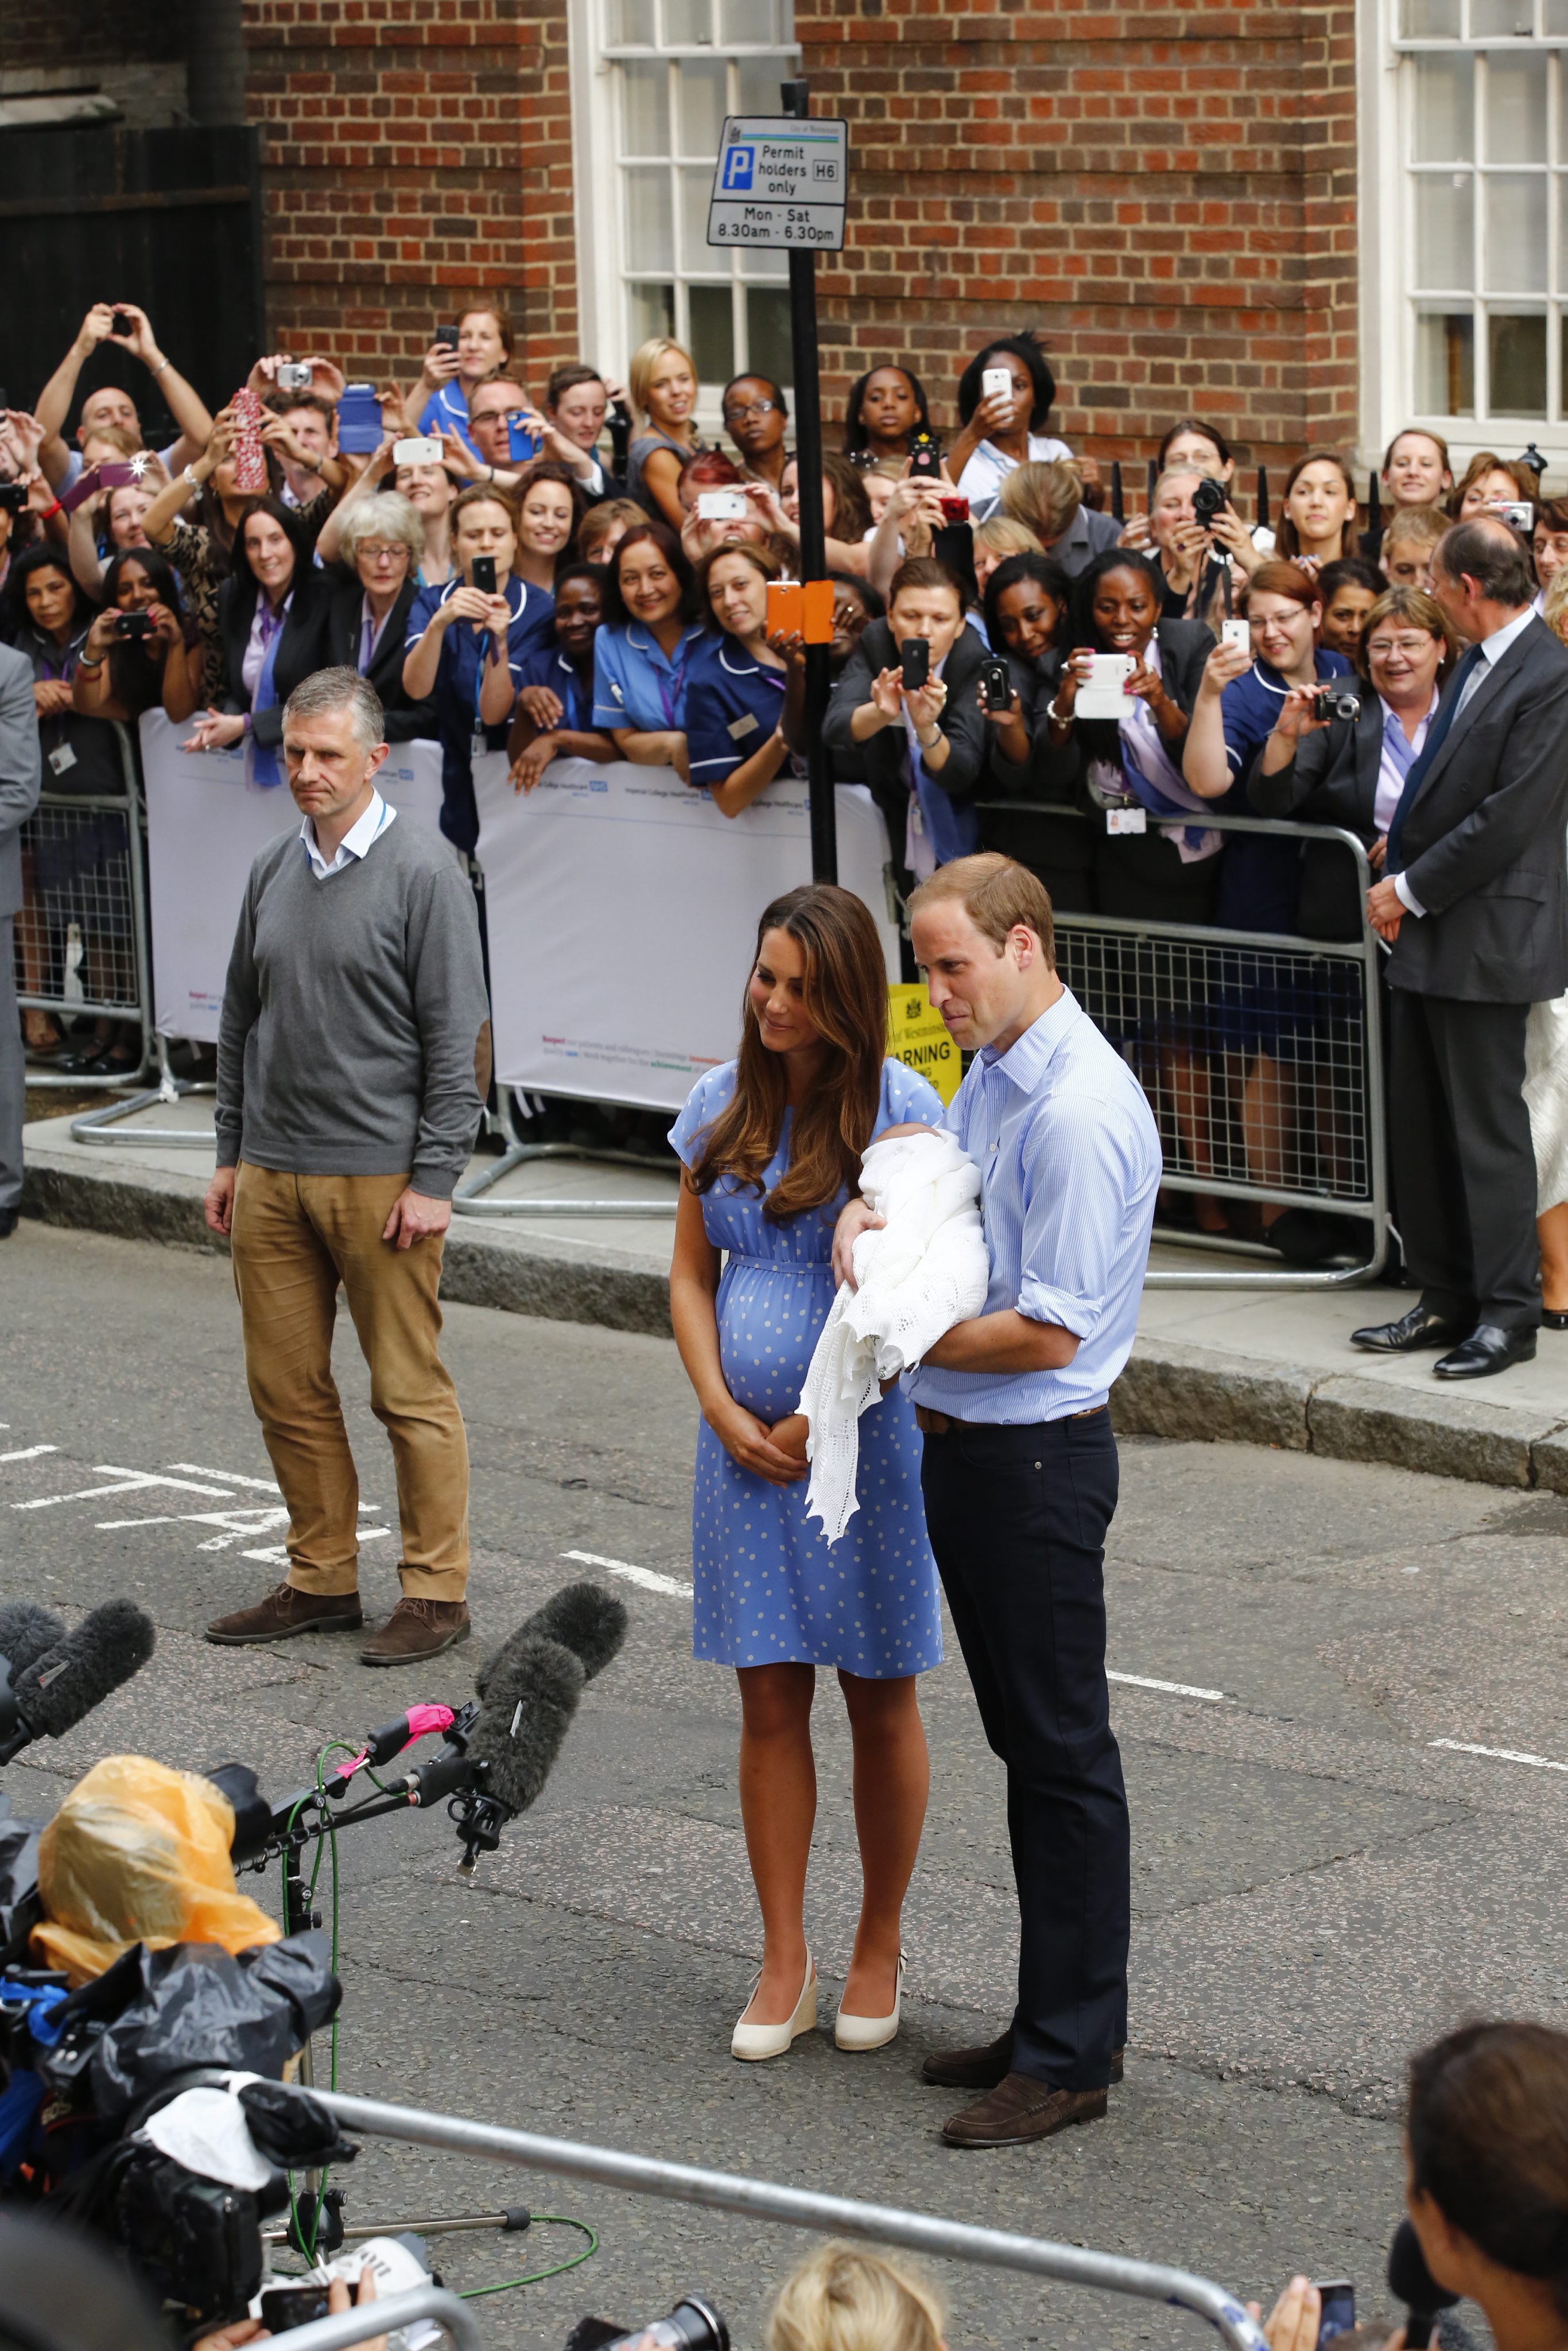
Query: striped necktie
[1436,735]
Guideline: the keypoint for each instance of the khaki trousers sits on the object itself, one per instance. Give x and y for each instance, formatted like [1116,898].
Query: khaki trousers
[295,1238]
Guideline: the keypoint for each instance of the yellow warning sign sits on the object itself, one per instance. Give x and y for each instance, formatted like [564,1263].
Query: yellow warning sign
[917,1037]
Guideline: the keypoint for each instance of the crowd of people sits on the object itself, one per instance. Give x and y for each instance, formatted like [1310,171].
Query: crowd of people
[582,574]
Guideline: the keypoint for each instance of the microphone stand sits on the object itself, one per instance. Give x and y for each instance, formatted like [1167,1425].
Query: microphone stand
[316,2226]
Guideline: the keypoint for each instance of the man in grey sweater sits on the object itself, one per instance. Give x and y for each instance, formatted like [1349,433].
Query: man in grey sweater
[353,1059]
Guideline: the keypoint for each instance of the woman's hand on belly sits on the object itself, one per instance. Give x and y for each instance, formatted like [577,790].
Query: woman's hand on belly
[749,1442]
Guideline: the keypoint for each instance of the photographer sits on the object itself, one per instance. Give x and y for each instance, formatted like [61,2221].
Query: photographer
[1003,428]
[156,664]
[1490,484]
[924,743]
[121,327]
[300,430]
[1048,499]
[429,488]
[886,406]
[439,397]
[1197,537]
[490,403]
[1028,598]
[554,714]
[368,618]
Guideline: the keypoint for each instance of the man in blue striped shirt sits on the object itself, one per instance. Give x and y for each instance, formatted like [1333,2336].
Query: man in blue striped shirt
[1019,1473]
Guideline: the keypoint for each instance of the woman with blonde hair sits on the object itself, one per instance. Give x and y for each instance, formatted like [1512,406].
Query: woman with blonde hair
[846,2298]
[998,537]
[1048,499]
[662,383]
[771,1146]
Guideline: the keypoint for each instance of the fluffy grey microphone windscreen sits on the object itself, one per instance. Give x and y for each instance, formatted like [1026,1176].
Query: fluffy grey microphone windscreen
[530,1695]
[110,1645]
[25,1632]
[583,1618]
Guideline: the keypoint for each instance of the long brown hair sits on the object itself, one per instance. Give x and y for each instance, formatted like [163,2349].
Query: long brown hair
[845,993]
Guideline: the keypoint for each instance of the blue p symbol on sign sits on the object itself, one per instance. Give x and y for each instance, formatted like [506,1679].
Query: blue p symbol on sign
[737,165]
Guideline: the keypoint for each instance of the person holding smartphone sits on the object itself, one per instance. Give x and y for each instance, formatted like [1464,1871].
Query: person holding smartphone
[467,644]
[908,703]
[477,344]
[140,652]
[1005,397]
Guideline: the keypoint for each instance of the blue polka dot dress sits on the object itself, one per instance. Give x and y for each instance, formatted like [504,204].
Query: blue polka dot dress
[769,1590]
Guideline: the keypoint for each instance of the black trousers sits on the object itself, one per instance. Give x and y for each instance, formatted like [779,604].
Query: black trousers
[1017,1520]
[1464,1167]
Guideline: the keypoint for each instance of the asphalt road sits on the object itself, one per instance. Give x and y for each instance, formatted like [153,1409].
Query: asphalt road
[1321,1883]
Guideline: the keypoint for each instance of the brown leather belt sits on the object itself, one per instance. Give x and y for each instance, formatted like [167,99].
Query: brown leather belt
[942,1424]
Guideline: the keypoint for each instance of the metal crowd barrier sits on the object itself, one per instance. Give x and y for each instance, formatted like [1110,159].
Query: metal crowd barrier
[470,1200]
[1184,1006]
[763,2199]
[82,934]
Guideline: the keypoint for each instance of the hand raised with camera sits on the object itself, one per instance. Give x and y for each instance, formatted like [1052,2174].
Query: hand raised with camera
[458,458]
[925,703]
[1298,714]
[1011,716]
[1137,531]
[887,696]
[1230,533]
[440,363]
[95,328]
[1225,664]
[468,603]
[141,341]
[790,645]
[22,436]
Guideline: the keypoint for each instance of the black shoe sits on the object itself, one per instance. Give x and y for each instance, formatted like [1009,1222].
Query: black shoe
[1550,1321]
[1490,1348]
[1303,1238]
[8,1222]
[986,2068]
[1413,1331]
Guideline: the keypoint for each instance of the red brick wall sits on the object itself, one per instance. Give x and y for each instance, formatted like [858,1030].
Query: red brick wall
[417,155]
[1169,194]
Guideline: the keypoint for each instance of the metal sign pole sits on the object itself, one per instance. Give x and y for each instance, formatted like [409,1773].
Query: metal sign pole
[813,532]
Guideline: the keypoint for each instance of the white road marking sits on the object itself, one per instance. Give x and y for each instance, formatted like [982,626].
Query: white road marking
[1171,1689]
[126,1481]
[1499,1754]
[276,1554]
[199,1469]
[29,1453]
[643,1576]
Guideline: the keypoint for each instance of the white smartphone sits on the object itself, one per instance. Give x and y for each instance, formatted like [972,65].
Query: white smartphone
[723,505]
[1236,632]
[996,381]
[419,449]
[1104,694]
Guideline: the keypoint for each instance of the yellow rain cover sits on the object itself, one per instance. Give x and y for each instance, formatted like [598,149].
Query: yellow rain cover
[138,1853]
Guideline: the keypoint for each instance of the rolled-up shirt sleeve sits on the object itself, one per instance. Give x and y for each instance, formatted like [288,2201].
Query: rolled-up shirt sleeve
[1077,1168]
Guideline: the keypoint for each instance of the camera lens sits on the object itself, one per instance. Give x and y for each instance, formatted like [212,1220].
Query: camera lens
[699,2325]
[1208,500]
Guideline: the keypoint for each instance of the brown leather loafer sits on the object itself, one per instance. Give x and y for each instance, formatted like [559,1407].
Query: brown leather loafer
[1021,2110]
[984,2068]
[286,1612]
[415,1630]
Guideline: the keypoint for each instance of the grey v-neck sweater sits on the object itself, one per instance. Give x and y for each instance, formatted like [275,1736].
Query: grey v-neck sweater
[355,1038]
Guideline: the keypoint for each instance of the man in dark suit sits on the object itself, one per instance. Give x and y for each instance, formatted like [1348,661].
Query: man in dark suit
[1475,903]
[21,771]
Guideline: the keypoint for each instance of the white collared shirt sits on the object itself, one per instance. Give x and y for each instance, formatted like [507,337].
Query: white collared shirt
[355,842]
[1492,651]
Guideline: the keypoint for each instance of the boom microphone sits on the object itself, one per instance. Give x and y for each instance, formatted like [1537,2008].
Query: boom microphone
[25,1632]
[583,1618]
[1412,2282]
[66,1681]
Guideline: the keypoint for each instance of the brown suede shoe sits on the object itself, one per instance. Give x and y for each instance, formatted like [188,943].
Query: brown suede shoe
[985,2068]
[286,1612]
[415,1630]
[1021,2110]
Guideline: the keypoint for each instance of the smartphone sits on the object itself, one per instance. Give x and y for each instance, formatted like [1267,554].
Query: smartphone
[446,339]
[817,604]
[955,511]
[249,449]
[286,2306]
[124,324]
[997,382]
[1105,695]
[995,684]
[482,574]
[294,375]
[358,420]
[1237,632]
[419,449]
[722,505]
[1339,2308]
[522,441]
[134,624]
[787,608]
[924,457]
[117,475]
[915,660]
[13,497]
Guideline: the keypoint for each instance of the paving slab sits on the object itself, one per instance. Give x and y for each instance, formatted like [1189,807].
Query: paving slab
[1259,1366]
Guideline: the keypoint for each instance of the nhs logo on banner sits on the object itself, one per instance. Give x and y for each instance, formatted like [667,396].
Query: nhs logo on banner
[739,163]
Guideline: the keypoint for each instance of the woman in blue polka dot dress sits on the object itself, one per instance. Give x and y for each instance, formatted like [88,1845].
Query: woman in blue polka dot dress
[771,1144]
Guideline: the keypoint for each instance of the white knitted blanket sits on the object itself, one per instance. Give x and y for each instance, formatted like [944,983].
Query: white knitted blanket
[923,1272]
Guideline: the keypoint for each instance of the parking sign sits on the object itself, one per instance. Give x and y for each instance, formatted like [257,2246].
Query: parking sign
[781,181]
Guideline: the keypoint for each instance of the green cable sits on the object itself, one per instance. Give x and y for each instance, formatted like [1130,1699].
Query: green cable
[558,2269]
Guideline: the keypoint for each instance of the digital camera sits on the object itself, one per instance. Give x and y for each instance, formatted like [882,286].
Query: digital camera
[1335,702]
[1208,501]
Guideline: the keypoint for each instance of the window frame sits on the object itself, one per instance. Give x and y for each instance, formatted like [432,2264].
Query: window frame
[604,279]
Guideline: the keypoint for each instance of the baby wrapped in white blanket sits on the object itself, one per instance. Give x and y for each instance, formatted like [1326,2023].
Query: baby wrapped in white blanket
[923,1272]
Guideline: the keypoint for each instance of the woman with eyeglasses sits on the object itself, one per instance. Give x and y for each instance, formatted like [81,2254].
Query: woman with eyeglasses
[756,418]
[380,542]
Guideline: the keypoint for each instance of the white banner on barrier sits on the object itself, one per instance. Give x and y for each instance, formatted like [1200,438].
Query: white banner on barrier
[204,831]
[622,917]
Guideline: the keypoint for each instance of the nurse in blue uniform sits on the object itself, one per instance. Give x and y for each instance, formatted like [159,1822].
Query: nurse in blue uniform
[771,1146]
[734,684]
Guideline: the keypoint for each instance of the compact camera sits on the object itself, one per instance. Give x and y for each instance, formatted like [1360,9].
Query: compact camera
[1208,501]
[134,624]
[1519,514]
[294,375]
[1333,702]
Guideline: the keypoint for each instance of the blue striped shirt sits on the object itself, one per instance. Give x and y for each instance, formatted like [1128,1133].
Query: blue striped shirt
[1070,1163]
